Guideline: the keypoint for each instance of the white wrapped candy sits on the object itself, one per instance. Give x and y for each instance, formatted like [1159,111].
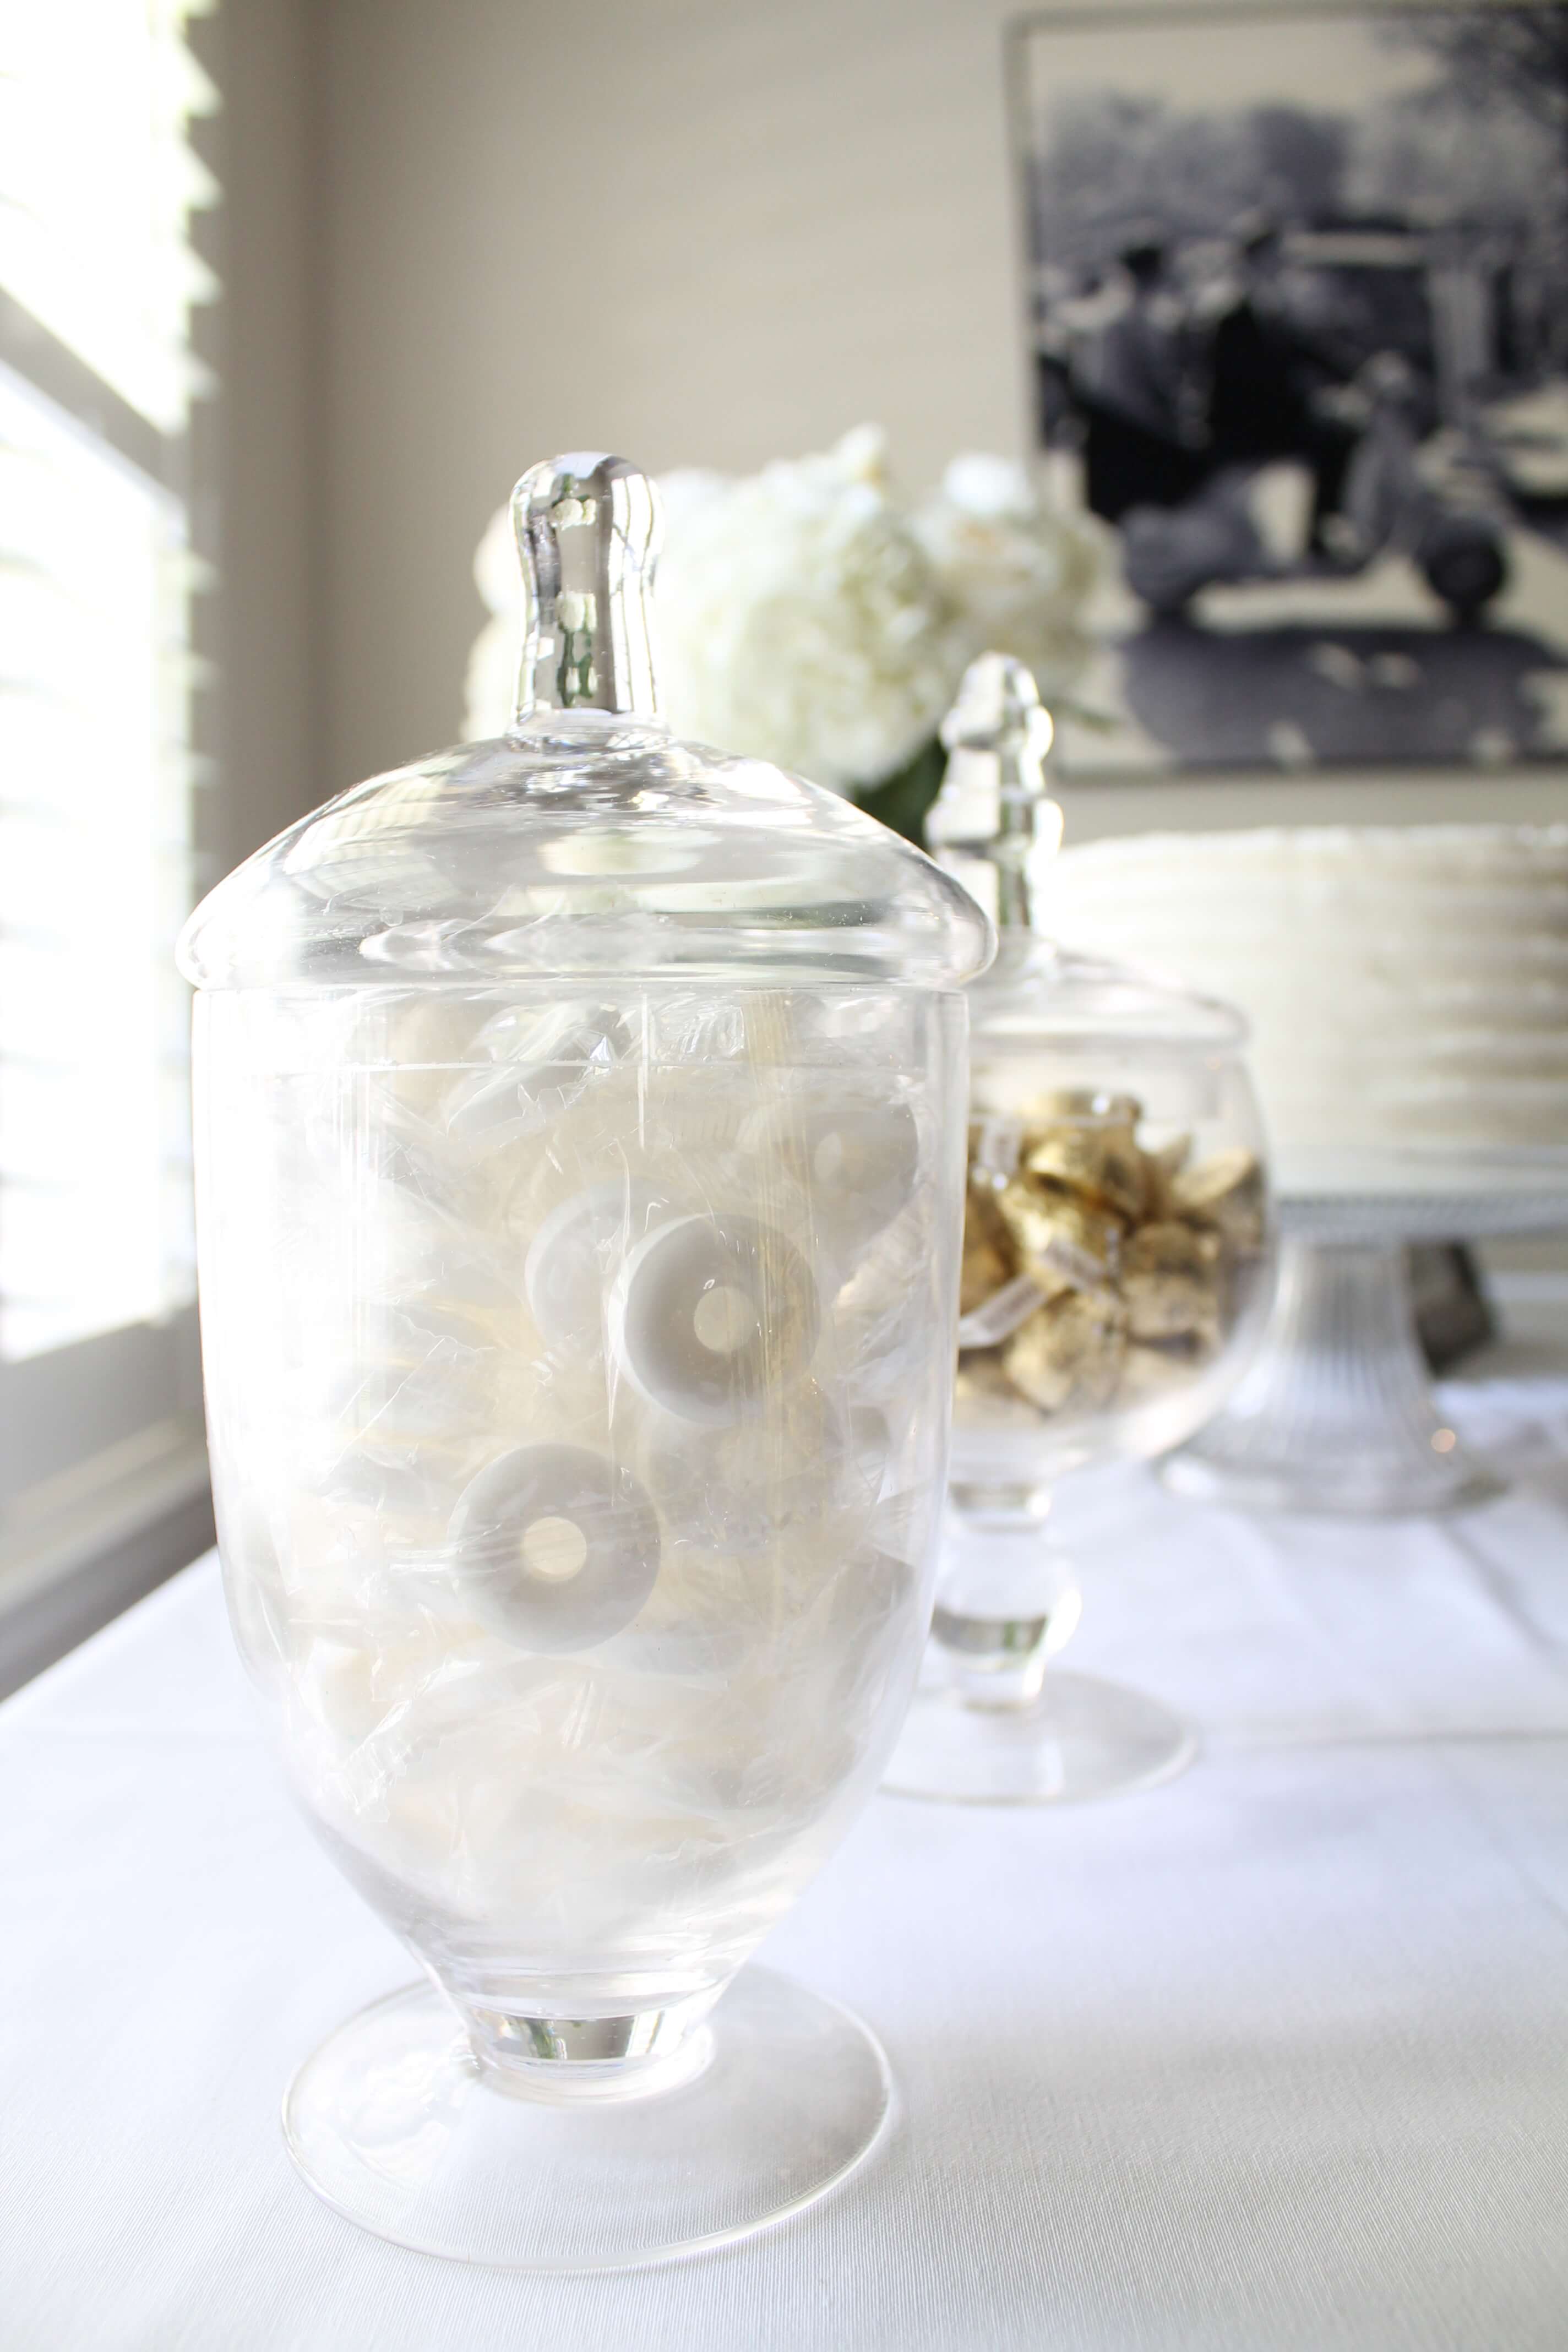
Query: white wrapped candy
[401,1168]
[452,1295]
[555,1547]
[553,1042]
[743,1488]
[855,1152]
[542,1062]
[576,1252]
[689,1122]
[871,1445]
[709,1314]
[349,1684]
[884,1314]
[430,1392]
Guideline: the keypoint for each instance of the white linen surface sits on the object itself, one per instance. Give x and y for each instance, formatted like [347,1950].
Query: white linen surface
[1273,2057]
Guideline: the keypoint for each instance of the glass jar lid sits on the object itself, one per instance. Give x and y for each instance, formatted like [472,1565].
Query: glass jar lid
[586,839]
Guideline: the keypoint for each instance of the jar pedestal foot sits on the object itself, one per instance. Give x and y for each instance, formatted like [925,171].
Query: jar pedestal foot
[1080,1739]
[1004,1726]
[777,2098]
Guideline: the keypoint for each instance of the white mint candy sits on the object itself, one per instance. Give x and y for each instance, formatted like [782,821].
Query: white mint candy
[863,1649]
[855,1154]
[410,1165]
[697,1113]
[710,1313]
[542,1062]
[404,1401]
[884,1314]
[563,1037]
[871,1445]
[577,1249]
[743,1488]
[555,1547]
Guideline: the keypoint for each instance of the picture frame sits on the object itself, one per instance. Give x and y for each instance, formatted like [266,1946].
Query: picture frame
[1295,318]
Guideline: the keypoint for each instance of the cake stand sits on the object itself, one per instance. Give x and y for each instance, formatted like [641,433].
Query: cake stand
[1336,1413]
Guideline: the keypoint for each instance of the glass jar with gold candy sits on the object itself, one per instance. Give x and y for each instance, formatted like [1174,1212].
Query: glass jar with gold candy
[1117,1267]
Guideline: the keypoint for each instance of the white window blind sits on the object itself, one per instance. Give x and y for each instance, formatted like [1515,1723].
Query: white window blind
[94,867]
[100,184]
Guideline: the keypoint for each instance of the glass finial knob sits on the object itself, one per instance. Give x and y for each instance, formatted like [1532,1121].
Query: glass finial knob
[999,704]
[995,814]
[589,530]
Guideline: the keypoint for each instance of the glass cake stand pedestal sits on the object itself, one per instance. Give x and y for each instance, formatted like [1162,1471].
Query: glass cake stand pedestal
[1336,1413]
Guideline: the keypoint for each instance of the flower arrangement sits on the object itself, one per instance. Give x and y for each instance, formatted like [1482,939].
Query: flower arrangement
[810,615]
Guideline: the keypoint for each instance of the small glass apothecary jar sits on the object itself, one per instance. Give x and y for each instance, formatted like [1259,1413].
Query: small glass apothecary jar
[1117,1269]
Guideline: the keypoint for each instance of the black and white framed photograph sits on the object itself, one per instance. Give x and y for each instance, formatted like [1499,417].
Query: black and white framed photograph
[1297,315]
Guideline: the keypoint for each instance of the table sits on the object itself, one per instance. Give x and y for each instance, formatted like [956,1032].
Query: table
[1275,2056]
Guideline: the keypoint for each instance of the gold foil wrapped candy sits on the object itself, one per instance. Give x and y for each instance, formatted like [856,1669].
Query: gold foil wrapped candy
[1226,1192]
[988,1262]
[1059,1240]
[1068,1352]
[1095,1270]
[1160,1170]
[1099,1164]
[983,1392]
[1170,1276]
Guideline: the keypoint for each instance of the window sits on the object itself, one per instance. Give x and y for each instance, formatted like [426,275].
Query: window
[101,180]
[93,878]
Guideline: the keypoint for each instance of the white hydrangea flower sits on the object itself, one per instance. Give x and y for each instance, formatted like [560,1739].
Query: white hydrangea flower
[491,686]
[1019,574]
[799,619]
[684,493]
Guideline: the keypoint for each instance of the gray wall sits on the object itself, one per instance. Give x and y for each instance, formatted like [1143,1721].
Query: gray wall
[697,231]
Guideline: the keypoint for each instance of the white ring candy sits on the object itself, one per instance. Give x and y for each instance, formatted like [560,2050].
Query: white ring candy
[741,1489]
[656,1308]
[858,1158]
[589,1574]
[571,1255]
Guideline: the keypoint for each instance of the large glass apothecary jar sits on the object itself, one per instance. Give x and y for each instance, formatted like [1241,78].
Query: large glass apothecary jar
[580,1150]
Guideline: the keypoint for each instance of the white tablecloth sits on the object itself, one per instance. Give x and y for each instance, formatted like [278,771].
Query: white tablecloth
[1275,2056]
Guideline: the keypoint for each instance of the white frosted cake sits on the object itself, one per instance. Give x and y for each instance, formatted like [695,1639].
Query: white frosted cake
[1407,987]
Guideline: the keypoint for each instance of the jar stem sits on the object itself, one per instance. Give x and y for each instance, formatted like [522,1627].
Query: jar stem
[1005,1598]
[570,2061]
